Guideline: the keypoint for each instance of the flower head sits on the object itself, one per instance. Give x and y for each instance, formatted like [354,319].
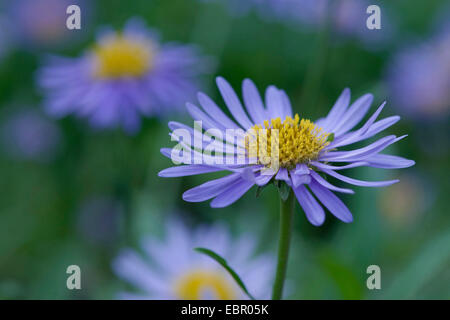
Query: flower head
[124,75]
[172,270]
[270,144]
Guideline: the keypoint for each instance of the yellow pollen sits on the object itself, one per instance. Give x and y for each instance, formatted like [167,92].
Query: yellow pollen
[196,284]
[120,56]
[298,141]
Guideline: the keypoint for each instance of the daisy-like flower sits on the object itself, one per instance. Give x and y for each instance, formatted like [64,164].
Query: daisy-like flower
[170,269]
[305,151]
[123,76]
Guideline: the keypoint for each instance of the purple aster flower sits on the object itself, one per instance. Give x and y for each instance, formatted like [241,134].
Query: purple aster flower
[125,75]
[266,142]
[28,135]
[419,78]
[171,269]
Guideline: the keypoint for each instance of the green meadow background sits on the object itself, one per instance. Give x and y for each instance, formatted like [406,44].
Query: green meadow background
[405,228]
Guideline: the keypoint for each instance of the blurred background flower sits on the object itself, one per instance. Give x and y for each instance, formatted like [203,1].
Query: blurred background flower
[171,269]
[125,75]
[41,24]
[419,78]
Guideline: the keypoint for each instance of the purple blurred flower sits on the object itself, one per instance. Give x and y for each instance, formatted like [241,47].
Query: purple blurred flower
[28,135]
[42,23]
[306,151]
[125,75]
[419,78]
[171,269]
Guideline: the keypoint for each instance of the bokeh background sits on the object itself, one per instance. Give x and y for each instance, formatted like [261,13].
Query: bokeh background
[73,195]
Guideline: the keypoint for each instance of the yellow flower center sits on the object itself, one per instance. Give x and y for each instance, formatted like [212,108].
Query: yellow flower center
[291,141]
[120,56]
[197,284]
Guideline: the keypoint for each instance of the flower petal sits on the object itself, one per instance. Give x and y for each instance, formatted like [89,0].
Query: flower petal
[199,115]
[213,110]
[287,110]
[351,137]
[233,103]
[132,268]
[231,194]
[331,202]
[263,179]
[313,210]
[253,102]
[328,185]
[187,170]
[353,115]
[210,189]
[387,161]
[301,168]
[327,166]
[298,179]
[362,153]
[337,111]
[359,182]
[274,103]
[283,174]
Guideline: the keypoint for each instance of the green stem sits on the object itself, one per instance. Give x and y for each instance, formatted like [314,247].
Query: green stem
[286,211]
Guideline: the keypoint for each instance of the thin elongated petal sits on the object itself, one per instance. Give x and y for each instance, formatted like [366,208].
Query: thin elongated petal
[353,136]
[231,194]
[379,126]
[313,210]
[233,103]
[298,179]
[328,185]
[331,202]
[263,179]
[210,189]
[187,170]
[198,115]
[274,102]
[287,104]
[359,154]
[354,115]
[213,110]
[253,102]
[301,169]
[283,174]
[351,165]
[386,161]
[337,111]
[357,182]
